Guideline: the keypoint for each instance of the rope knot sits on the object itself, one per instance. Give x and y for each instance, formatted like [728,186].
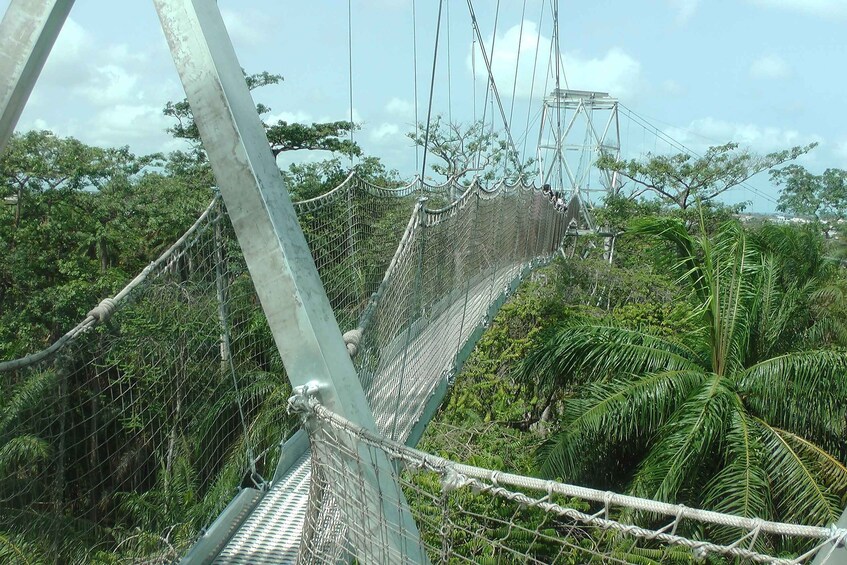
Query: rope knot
[352,339]
[838,535]
[104,310]
[452,480]
[303,400]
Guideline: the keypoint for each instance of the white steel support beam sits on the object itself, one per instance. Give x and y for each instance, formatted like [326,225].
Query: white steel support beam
[833,555]
[280,263]
[27,32]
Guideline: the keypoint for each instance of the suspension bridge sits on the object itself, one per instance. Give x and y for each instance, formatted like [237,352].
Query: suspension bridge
[308,345]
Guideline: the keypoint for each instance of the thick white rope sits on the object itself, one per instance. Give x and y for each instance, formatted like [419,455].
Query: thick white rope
[456,475]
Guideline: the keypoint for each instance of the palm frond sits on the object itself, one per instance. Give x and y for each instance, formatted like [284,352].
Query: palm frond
[21,453]
[595,350]
[693,435]
[741,487]
[627,409]
[687,268]
[772,311]
[731,267]
[828,329]
[26,396]
[14,549]
[802,391]
[801,476]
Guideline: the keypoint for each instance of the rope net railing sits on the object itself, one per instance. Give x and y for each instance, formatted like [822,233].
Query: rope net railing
[452,266]
[136,428]
[468,514]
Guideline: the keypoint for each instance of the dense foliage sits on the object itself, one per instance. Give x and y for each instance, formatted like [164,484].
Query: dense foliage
[710,371]
[695,360]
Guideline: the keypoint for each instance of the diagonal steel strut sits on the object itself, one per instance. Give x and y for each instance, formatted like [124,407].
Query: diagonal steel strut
[28,31]
[280,263]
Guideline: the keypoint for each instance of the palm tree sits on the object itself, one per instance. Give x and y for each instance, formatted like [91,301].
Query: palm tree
[744,413]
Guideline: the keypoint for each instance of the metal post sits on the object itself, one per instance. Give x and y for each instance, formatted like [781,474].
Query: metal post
[833,556]
[28,31]
[275,250]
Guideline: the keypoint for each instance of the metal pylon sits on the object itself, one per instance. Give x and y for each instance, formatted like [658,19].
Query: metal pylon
[577,127]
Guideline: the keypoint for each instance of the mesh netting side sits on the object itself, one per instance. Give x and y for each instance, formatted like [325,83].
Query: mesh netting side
[137,431]
[468,514]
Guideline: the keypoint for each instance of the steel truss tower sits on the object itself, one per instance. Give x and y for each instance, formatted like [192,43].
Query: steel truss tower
[577,127]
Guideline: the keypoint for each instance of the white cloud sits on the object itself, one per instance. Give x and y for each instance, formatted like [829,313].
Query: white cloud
[841,151]
[769,67]
[385,132]
[243,28]
[400,108]
[109,85]
[121,124]
[66,63]
[297,117]
[705,132]
[684,9]
[821,8]
[107,94]
[615,72]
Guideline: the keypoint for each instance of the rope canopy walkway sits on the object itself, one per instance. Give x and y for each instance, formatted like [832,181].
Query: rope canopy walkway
[164,425]
[410,317]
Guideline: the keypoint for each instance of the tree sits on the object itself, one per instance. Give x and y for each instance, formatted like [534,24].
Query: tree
[282,136]
[77,222]
[469,150]
[822,197]
[682,179]
[742,413]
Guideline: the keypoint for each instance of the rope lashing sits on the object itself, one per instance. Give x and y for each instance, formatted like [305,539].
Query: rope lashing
[352,339]
[104,310]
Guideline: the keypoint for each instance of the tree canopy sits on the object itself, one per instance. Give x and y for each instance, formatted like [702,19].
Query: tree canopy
[468,150]
[683,180]
[740,411]
[282,135]
[822,197]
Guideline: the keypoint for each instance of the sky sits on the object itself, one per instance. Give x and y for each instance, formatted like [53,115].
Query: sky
[767,74]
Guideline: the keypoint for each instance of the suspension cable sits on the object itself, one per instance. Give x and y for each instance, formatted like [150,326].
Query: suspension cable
[449,71]
[473,70]
[488,85]
[493,84]
[532,84]
[517,63]
[350,67]
[554,45]
[431,88]
[415,70]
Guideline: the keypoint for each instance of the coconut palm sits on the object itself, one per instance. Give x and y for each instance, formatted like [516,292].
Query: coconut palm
[741,414]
